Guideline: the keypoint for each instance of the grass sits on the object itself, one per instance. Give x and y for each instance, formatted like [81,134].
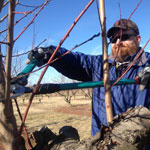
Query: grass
[55,113]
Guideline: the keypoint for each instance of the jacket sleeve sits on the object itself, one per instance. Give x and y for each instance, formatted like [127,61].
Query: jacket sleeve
[74,65]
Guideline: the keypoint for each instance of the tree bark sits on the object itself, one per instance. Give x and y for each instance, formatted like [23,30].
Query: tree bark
[8,127]
[9,136]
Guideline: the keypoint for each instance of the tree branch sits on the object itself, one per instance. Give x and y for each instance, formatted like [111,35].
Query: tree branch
[1,5]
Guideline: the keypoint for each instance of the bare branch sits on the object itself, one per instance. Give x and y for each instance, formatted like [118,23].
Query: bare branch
[32,20]
[1,42]
[5,3]
[135,9]
[27,5]
[1,5]
[26,14]
[3,18]
[120,10]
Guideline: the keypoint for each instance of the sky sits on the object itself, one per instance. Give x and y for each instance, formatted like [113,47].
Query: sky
[56,18]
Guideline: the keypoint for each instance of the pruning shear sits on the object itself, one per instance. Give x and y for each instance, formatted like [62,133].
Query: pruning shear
[18,89]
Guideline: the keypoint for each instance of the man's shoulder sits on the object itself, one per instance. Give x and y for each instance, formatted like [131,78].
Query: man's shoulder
[147,53]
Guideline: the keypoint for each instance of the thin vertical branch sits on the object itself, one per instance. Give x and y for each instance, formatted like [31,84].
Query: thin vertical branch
[25,130]
[9,48]
[107,86]
[120,10]
[34,36]
[135,9]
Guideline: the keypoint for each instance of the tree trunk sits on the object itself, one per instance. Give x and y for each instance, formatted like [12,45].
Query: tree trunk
[9,138]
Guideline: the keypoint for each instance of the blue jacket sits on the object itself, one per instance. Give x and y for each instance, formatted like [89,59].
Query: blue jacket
[83,67]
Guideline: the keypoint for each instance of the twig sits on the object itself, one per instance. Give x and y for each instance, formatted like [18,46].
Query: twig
[25,130]
[27,5]
[20,19]
[2,19]
[28,51]
[1,5]
[120,10]
[32,20]
[98,12]
[1,42]
[135,9]
[5,3]
[25,12]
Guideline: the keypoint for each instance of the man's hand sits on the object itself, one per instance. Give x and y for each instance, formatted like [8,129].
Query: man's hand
[21,81]
[144,78]
[41,54]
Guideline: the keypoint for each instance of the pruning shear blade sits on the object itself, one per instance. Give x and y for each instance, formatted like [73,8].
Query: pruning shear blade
[18,90]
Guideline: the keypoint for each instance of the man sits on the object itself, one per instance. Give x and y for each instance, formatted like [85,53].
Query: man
[125,39]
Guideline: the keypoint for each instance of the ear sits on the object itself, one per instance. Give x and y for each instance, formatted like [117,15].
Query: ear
[138,38]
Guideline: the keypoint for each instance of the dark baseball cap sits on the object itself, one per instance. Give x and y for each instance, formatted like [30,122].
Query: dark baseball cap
[125,25]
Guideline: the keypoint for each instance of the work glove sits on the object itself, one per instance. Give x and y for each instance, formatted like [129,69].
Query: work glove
[144,78]
[21,81]
[41,54]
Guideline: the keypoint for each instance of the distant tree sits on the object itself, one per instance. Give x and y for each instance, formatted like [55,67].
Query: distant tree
[68,95]
[87,93]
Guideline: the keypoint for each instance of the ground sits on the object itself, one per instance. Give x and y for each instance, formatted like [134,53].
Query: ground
[55,113]
[130,129]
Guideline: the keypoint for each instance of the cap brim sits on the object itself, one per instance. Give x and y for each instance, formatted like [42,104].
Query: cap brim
[112,30]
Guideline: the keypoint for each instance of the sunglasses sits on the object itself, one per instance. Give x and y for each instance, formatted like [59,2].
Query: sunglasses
[122,37]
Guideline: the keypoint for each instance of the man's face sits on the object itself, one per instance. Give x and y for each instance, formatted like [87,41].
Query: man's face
[125,45]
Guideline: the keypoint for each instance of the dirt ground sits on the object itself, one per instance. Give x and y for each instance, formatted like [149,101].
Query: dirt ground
[55,113]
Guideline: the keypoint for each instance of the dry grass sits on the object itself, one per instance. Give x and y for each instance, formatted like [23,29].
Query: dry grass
[55,113]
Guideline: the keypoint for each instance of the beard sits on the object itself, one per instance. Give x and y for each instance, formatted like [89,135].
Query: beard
[123,49]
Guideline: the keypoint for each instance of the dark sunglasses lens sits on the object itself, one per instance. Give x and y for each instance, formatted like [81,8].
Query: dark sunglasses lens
[114,39]
[124,37]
